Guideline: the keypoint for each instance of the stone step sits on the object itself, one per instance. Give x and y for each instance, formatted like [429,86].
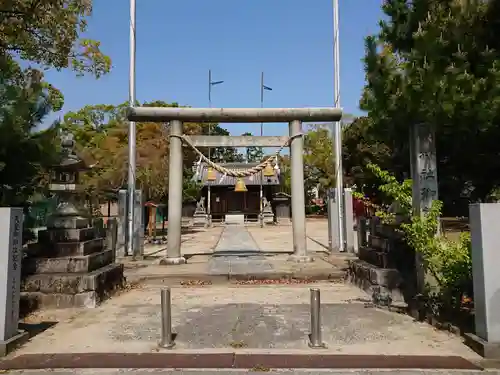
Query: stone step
[376,280]
[237,362]
[64,249]
[50,236]
[237,253]
[70,264]
[235,276]
[234,219]
[73,283]
[374,256]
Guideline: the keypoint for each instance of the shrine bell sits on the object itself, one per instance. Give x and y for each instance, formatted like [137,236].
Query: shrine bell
[211,174]
[268,170]
[240,185]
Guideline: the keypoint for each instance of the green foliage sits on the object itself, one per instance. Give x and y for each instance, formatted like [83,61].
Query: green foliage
[253,154]
[359,148]
[101,135]
[285,174]
[438,62]
[319,160]
[391,187]
[25,153]
[449,262]
[221,154]
[191,189]
[47,32]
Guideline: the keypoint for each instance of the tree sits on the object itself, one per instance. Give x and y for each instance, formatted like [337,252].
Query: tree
[191,189]
[25,153]
[253,154]
[360,148]
[285,173]
[319,160]
[220,154]
[438,62]
[47,32]
[101,134]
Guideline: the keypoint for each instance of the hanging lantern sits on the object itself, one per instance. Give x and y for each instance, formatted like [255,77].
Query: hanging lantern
[211,174]
[240,186]
[268,171]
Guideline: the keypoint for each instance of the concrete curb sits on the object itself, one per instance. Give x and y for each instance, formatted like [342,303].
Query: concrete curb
[233,360]
[201,278]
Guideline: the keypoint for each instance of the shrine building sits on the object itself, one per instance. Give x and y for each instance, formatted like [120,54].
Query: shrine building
[227,196]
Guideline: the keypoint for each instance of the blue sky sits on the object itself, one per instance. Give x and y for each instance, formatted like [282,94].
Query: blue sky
[178,41]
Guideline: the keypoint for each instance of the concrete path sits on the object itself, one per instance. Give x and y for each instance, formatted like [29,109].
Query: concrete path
[257,319]
[280,238]
[216,255]
[194,241]
[236,239]
[273,239]
[237,254]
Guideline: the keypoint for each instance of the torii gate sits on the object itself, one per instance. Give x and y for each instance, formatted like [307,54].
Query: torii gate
[177,116]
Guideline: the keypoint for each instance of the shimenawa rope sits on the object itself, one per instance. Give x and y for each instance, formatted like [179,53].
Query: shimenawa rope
[229,172]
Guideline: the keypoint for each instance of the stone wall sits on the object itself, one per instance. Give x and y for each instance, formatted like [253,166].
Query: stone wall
[385,265]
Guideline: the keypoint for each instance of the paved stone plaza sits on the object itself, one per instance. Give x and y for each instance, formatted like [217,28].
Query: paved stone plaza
[242,252]
[198,241]
[227,318]
[242,316]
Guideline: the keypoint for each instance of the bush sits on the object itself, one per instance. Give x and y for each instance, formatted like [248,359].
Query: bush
[448,262]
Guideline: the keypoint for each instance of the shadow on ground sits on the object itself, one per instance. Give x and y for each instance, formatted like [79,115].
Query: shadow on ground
[34,329]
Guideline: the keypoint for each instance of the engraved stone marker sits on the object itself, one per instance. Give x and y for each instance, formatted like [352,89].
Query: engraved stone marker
[424,177]
[424,167]
[11,253]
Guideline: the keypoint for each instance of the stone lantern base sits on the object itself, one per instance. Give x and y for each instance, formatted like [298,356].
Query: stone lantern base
[69,267]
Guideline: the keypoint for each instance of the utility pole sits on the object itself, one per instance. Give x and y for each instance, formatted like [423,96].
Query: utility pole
[131,138]
[209,193]
[339,183]
[262,88]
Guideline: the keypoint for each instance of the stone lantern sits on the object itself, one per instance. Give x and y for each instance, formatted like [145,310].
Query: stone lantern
[64,182]
[70,265]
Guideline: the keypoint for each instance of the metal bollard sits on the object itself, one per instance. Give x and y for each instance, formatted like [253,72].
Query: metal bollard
[315,341]
[167,339]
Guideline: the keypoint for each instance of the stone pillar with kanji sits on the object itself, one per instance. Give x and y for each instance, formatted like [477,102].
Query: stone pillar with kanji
[425,186]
